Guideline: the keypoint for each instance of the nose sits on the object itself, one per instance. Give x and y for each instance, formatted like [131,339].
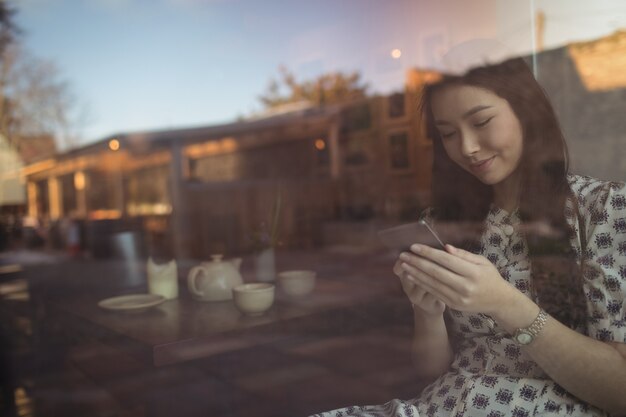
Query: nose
[469,144]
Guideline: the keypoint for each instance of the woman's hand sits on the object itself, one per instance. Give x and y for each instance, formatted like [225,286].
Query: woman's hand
[431,350]
[419,297]
[460,279]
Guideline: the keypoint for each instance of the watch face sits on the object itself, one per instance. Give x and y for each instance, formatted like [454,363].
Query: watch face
[524,338]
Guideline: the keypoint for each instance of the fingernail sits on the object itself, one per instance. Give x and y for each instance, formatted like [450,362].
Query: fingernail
[416,248]
[404,266]
[450,248]
[405,256]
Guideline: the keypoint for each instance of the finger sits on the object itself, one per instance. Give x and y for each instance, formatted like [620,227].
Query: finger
[397,268]
[436,294]
[449,261]
[407,285]
[442,274]
[463,254]
[410,284]
[416,294]
[407,278]
[430,284]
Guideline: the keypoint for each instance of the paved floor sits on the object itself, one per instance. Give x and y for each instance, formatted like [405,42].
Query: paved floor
[296,380]
[299,376]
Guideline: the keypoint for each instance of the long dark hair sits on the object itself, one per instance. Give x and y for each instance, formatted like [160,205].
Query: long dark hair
[459,196]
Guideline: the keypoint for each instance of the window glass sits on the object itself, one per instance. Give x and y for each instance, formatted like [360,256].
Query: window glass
[203,206]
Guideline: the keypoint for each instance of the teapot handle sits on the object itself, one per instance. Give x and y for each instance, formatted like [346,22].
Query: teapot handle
[191,282]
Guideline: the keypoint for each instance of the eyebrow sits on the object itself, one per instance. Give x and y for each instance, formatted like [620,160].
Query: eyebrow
[467,114]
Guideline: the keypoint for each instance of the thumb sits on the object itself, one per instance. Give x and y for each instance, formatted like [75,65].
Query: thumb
[463,254]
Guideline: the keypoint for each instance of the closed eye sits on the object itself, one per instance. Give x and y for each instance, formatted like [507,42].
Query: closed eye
[447,135]
[484,122]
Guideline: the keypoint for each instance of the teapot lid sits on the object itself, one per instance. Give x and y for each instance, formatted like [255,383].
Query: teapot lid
[217,257]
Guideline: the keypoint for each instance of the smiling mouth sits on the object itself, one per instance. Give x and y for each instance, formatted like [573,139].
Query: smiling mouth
[481,165]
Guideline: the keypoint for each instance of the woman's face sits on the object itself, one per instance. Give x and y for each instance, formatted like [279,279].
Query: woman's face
[479,131]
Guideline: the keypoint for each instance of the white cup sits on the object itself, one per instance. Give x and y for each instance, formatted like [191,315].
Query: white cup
[297,283]
[253,299]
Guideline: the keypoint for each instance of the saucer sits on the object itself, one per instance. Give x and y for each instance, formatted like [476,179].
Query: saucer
[135,303]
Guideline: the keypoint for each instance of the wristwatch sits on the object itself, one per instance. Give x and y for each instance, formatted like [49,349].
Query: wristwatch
[526,335]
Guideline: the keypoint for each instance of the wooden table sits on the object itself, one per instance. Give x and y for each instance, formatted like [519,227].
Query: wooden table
[185,329]
[170,348]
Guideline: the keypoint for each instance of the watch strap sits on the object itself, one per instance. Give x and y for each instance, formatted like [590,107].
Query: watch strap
[526,335]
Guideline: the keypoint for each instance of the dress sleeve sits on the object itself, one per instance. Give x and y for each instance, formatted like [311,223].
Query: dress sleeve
[603,211]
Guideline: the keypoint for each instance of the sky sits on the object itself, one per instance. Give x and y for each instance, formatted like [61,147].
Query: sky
[158,64]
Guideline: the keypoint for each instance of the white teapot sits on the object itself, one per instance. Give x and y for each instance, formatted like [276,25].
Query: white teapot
[214,281]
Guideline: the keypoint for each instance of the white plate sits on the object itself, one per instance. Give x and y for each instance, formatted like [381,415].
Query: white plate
[134,303]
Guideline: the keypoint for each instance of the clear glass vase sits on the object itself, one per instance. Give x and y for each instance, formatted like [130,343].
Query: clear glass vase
[265,265]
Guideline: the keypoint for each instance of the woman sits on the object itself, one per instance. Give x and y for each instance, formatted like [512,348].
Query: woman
[530,320]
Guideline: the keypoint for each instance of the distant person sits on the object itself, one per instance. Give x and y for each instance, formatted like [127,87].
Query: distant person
[535,323]
[71,235]
[45,229]
[32,232]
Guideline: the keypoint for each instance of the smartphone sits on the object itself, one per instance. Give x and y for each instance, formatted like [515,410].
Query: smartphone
[402,237]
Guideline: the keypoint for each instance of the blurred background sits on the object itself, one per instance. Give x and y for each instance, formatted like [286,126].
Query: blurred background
[176,129]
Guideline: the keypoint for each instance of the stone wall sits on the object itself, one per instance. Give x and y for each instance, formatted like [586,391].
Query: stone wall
[593,122]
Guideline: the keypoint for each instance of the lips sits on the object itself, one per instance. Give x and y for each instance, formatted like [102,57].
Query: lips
[481,166]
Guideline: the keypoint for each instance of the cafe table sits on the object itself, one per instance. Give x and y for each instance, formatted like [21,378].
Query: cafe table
[135,357]
[185,329]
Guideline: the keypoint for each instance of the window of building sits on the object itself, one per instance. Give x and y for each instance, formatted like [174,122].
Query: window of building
[396,106]
[399,154]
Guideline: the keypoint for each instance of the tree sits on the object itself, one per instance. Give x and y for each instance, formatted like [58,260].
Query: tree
[8,30]
[34,100]
[330,88]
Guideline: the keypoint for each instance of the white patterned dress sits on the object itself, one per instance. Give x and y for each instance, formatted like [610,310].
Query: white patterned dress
[490,375]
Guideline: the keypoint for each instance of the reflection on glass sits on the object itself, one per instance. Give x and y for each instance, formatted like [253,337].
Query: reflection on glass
[286,135]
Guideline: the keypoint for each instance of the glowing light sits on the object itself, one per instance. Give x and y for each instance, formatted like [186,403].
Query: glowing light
[105,214]
[79,180]
[320,145]
[396,53]
[114,144]
[212,147]
[228,144]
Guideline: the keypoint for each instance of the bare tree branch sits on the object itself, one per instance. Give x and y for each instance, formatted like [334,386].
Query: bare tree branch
[34,100]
